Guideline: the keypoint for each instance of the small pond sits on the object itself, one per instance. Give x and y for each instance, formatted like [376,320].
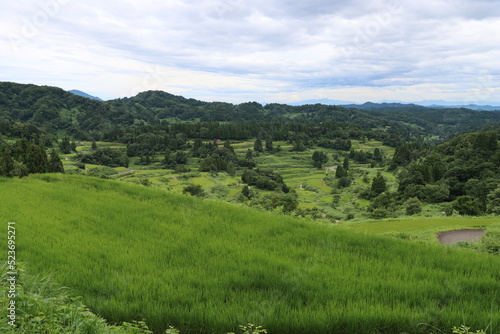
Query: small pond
[451,237]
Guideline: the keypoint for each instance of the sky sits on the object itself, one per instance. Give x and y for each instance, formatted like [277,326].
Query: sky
[257,50]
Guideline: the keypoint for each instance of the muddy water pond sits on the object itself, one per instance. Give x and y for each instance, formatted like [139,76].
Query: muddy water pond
[451,237]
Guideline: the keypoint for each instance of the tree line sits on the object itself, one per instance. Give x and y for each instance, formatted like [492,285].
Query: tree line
[25,157]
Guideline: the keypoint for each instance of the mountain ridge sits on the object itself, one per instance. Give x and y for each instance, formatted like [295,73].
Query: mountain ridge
[436,104]
[83,94]
[56,111]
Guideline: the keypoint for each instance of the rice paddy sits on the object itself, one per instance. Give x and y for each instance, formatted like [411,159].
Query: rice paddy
[134,252]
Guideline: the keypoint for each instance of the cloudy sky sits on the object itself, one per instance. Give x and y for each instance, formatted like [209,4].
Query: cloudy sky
[257,50]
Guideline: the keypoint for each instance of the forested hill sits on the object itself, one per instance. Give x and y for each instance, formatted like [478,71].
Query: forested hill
[30,111]
[33,111]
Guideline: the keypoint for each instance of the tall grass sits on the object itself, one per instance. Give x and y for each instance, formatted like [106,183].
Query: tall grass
[206,267]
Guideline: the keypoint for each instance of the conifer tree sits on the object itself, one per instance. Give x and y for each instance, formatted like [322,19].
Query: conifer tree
[168,159]
[401,155]
[340,172]
[378,185]
[346,163]
[319,158]
[55,163]
[65,146]
[36,159]
[198,143]
[6,162]
[377,155]
[269,144]
[257,146]
[21,150]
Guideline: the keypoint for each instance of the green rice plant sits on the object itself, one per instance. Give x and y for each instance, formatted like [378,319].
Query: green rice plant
[137,253]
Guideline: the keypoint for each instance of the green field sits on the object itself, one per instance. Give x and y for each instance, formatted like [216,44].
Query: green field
[295,167]
[425,224]
[425,230]
[138,253]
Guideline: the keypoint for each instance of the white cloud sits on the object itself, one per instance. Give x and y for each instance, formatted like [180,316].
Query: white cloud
[237,50]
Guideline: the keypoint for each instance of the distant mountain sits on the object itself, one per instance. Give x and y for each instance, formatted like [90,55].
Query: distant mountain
[327,102]
[393,104]
[440,104]
[469,106]
[385,106]
[80,93]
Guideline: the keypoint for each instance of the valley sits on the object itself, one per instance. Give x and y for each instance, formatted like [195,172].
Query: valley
[163,214]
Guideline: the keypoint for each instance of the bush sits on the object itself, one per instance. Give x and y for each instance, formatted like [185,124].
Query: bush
[344,182]
[287,202]
[80,165]
[264,179]
[467,206]
[182,169]
[413,206]
[102,172]
[105,156]
[145,182]
[20,169]
[379,213]
[194,190]
[248,193]
[219,191]
[448,210]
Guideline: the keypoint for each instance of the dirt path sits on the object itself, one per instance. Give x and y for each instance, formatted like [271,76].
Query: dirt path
[451,237]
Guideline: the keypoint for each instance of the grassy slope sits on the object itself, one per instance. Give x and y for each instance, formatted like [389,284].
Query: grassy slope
[207,266]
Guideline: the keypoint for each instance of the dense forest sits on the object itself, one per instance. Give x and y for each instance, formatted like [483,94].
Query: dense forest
[448,156]
[43,113]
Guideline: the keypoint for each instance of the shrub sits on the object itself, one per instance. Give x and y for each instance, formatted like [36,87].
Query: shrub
[145,181]
[182,169]
[80,165]
[105,156]
[194,190]
[379,213]
[102,172]
[219,191]
[344,182]
[467,206]
[264,179]
[413,206]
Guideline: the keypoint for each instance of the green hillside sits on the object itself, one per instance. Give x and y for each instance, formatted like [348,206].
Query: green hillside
[207,266]
[44,113]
